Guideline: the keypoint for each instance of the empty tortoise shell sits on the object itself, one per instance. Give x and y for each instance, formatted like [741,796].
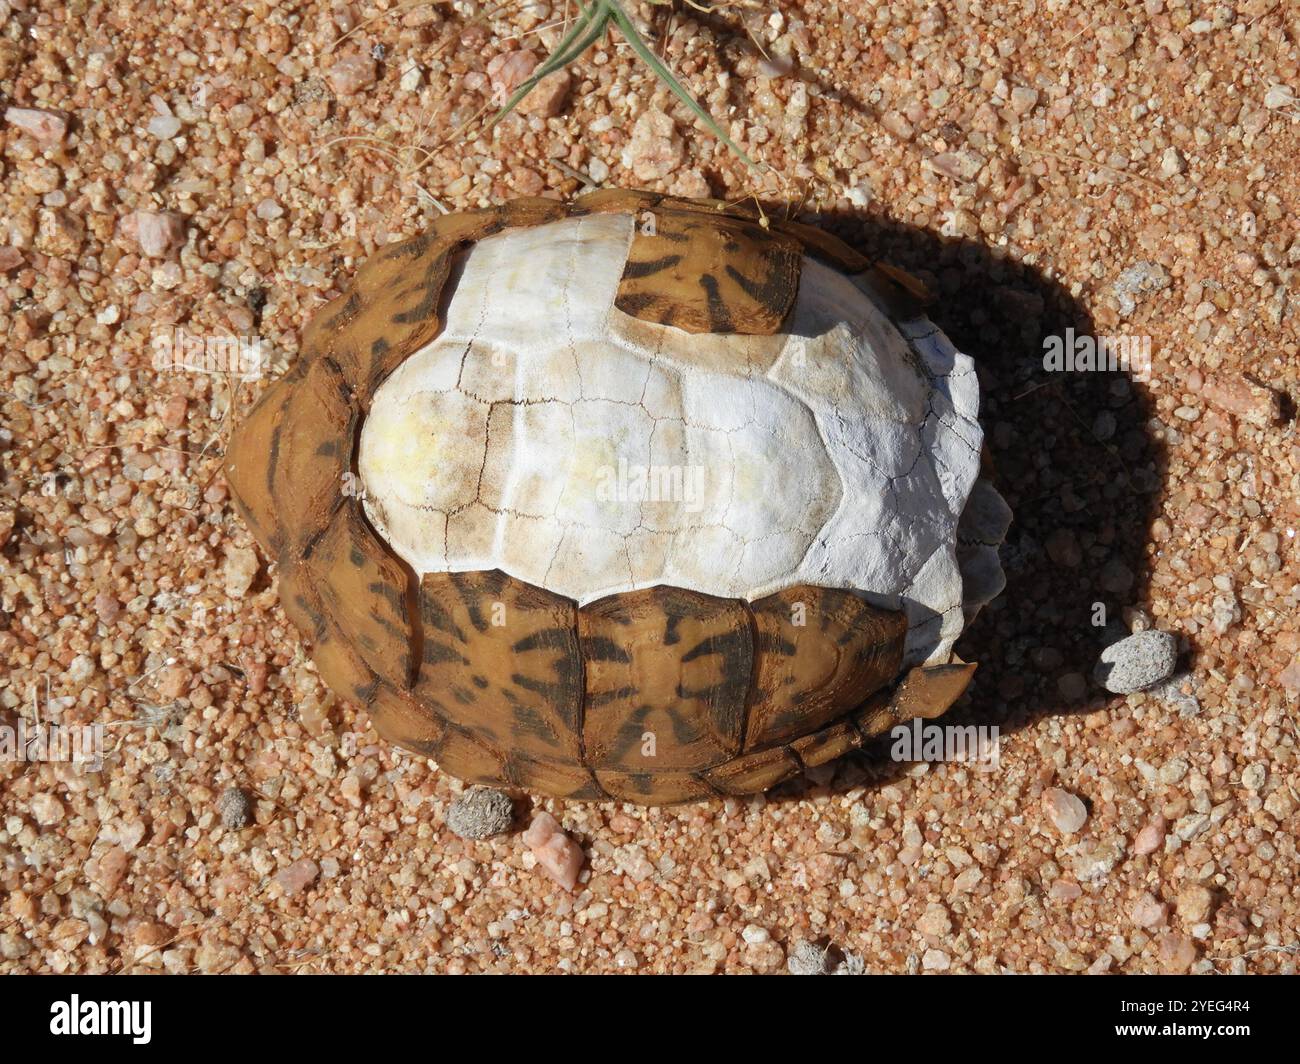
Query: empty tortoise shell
[637,497]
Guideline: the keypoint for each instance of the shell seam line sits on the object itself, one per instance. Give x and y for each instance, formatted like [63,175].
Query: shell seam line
[751,688]
[702,778]
[580,723]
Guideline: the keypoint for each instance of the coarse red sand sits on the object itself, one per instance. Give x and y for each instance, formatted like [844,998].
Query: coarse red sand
[1115,167]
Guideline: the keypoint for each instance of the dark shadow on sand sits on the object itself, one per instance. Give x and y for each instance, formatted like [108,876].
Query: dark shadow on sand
[1074,459]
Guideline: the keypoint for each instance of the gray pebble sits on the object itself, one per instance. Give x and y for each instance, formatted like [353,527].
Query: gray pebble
[1142,660]
[807,958]
[235,809]
[480,813]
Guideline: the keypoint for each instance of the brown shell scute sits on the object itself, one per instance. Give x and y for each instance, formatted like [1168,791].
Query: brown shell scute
[667,677]
[363,590]
[573,780]
[500,657]
[758,771]
[659,788]
[405,722]
[252,459]
[289,458]
[471,759]
[657,695]
[712,273]
[823,246]
[532,210]
[926,692]
[822,651]
[826,745]
[337,661]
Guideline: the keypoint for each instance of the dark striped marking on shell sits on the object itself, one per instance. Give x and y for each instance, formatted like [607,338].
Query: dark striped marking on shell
[669,663]
[288,472]
[823,651]
[704,272]
[363,590]
[506,652]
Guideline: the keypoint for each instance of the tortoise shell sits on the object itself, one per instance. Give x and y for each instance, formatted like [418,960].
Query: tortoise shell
[425,476]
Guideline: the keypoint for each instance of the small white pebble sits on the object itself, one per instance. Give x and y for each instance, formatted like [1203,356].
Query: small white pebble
[1172,163]
[47,128]
[46,809]
[411,78]
[1023,99]
[157,232]
[1151,837]
[558,855]
[1147,912]
[298,876]
[164,127]
[1066,811]
[82,668]
[1279,96]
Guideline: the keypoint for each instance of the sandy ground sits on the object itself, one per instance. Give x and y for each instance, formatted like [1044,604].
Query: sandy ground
[1116,168]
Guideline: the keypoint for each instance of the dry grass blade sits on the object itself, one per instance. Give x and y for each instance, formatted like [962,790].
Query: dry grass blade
[592,22]
[586,31]
[666,76]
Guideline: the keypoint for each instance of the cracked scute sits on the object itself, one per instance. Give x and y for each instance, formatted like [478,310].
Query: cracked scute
[548,434]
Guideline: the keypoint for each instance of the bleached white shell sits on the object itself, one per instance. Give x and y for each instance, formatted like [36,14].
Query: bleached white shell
[548,434]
